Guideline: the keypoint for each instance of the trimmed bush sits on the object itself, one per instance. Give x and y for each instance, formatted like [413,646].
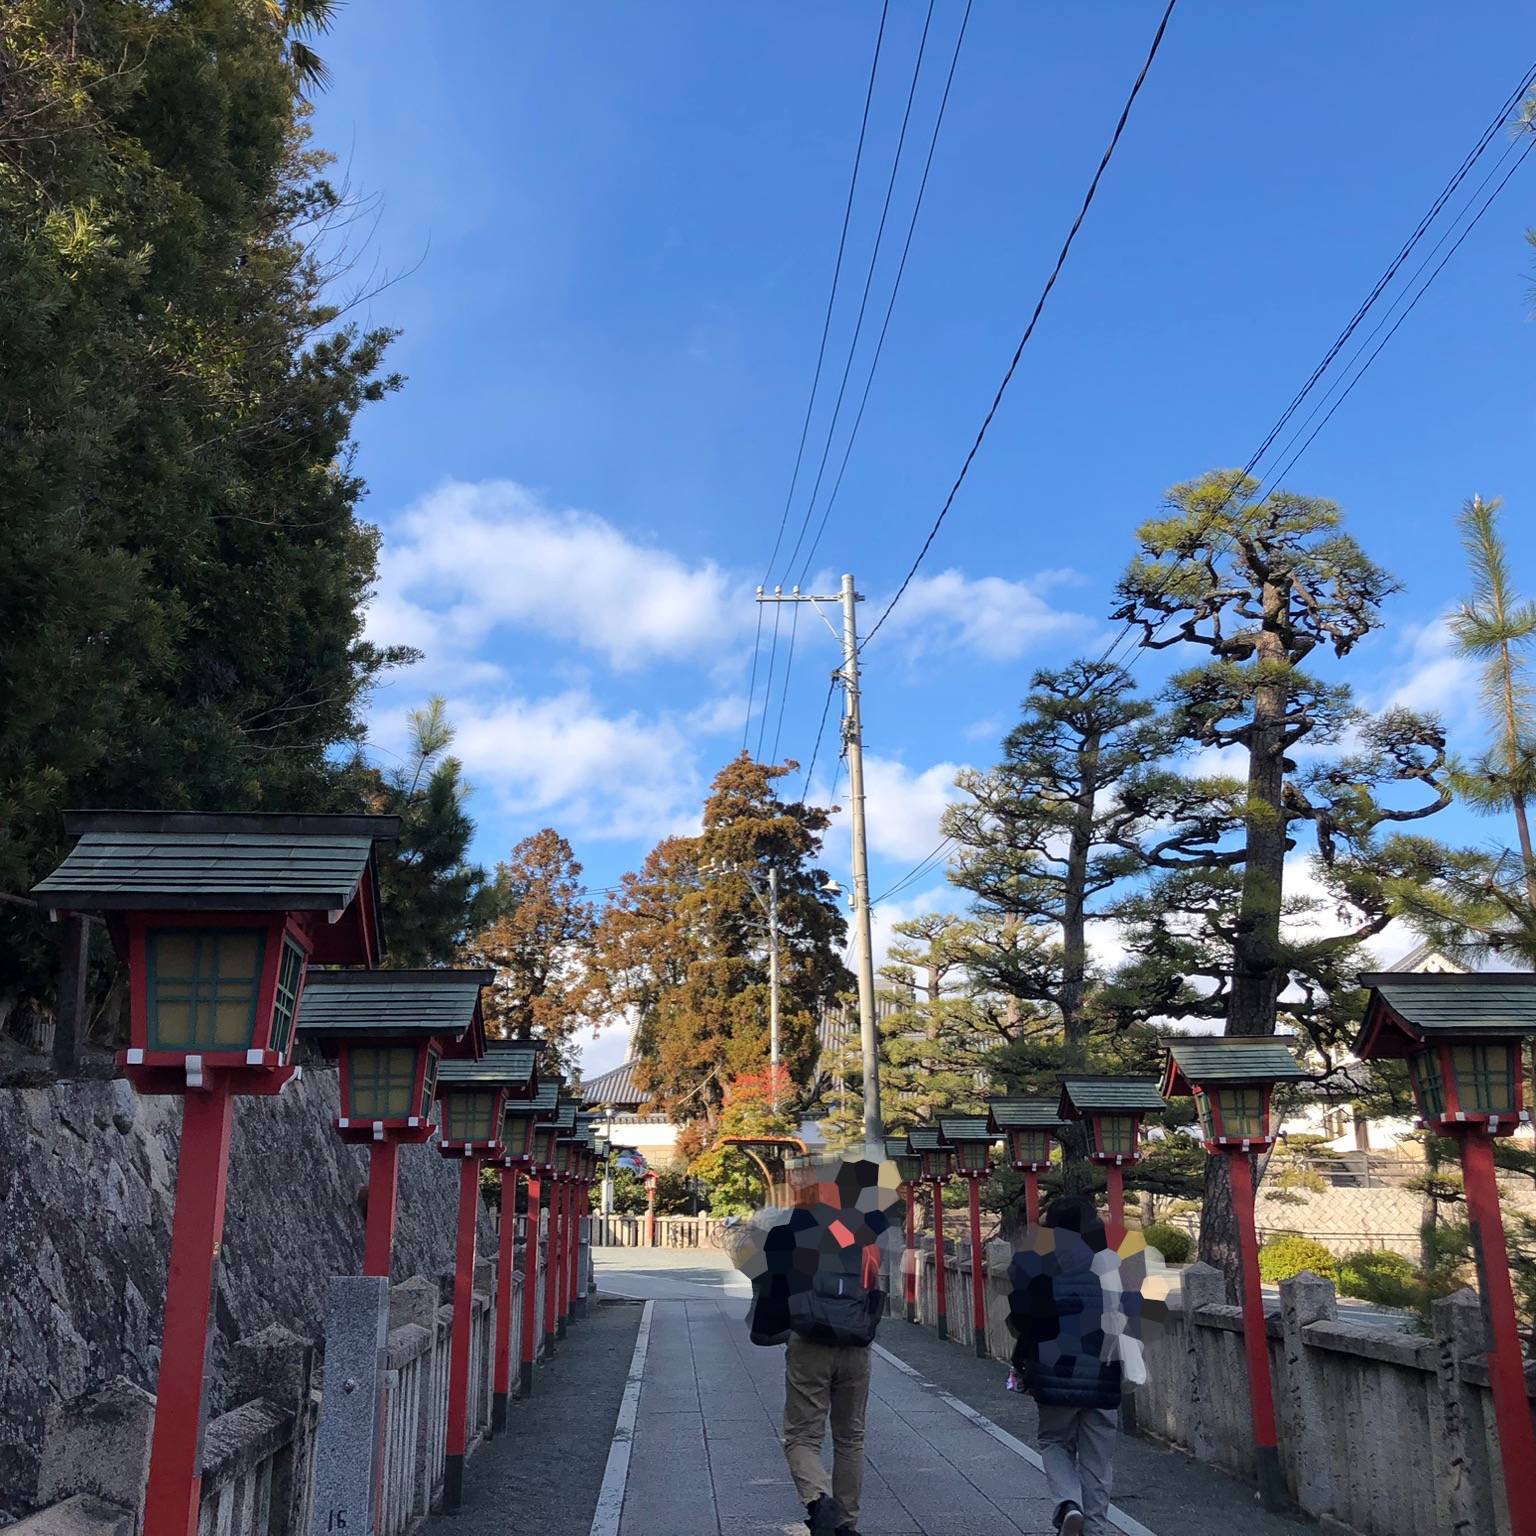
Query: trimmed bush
[1382,1278]
[1174,1243]
[1288,1253]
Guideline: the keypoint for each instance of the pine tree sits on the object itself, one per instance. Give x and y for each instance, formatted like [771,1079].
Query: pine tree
[1261,584]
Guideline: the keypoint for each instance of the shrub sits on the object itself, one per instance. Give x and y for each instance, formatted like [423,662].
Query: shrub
[1288,1253]
[1385,1279]
[1174,1243]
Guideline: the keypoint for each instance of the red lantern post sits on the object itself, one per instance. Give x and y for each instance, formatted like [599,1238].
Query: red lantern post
[909,1169]
[1028,1126]
[1463,1036]
[1231,1078]
[544,1156]
[1113,1108]
[971,1138]
[218,917]
[472,1095]
[389,1031]
[937,1160]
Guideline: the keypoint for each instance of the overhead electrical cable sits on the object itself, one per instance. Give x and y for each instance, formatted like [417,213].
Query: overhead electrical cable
[1034,320]
[821,350]
[885,326]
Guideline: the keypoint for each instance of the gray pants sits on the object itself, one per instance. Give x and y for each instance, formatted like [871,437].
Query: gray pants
[1077,1446]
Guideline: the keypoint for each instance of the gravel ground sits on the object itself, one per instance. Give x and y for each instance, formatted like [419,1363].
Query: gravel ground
[1166,1490]
[544,1473]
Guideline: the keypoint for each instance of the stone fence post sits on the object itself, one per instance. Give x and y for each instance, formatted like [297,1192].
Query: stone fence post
[1306,1435]
[98,1444]
[1464,1495]
[1200,1286]
[278,1365]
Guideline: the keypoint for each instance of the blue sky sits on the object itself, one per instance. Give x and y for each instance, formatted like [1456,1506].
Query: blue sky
[614,229]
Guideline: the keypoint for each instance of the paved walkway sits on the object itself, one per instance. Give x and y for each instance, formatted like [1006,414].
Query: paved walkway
[696,1448]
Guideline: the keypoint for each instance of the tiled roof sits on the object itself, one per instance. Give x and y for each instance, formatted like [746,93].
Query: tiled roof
[336,1004]
[613,1089]
[565,1117]
[925,1138]
[1232,1059]
[1123,1095]
[503,1065]
[1483,1002]
[543,1103]
[185,860]
[1024,1114]
[965,1128]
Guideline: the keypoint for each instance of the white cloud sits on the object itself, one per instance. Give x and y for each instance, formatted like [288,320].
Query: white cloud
[1437,681]
[604,774]
[999,620]
[902,808]
[467,560]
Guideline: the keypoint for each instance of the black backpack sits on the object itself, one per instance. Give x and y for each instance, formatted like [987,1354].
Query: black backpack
[834,1306]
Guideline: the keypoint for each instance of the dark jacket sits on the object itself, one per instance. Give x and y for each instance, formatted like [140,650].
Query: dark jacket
[1056,1311]
[795,1252]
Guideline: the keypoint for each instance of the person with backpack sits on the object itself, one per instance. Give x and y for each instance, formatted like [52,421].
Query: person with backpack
[817,1290]
[1069,1328]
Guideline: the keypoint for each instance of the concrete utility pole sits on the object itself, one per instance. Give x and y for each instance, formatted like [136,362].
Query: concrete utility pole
[773,979]
[853,744]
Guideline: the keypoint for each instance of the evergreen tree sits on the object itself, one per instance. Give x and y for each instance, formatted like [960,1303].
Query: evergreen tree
[537,941]
[1261,584]
[179,555]
[683,949]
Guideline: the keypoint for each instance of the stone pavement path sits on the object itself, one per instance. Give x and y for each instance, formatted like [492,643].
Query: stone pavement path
[704,1457]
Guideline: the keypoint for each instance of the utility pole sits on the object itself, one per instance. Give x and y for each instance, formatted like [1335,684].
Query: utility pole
[773,981]
[853,744]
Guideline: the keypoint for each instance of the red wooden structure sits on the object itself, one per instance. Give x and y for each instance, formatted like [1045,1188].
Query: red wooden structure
[536,1139]
[1464,1039]
[909,1169]
[218,918]
[473,1095]
[1028,1125]
[971,1137]
[1232,1078]
[1113,1108]
[937,1161]
[390,1031]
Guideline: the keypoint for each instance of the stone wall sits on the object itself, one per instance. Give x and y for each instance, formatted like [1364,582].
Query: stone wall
[87,1183]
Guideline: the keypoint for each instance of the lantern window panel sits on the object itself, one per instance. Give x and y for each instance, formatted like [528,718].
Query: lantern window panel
[469,1115]
[1424,1068]
[1203,1115]
[1242,1112]
[204,986]
[973,1156]
[1031,1146]
[1116,1135]
[290,975]
[382,1081]
[429,1085]
[1485,1079]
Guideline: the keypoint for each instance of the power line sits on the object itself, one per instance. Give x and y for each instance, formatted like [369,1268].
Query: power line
[1034,319]
[869,279]
[918,870]
[816,750]
[885,326]
[789,664]
[821,350]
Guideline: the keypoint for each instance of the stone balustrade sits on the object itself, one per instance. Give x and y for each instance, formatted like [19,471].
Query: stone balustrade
[259,1457]
[1381,1432]
[614,1231]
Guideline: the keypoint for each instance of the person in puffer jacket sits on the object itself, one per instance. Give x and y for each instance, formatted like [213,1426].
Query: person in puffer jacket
[1058,1309]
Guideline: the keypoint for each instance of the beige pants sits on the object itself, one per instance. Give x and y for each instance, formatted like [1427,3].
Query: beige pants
[821,1381]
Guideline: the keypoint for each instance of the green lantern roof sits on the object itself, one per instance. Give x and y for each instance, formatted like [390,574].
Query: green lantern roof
[180,860]
[925,1138]
[896,1146]
[965,1128]
[1229,1059]
[341,1005]
[1407,1008]
[1024,1114]
[1109,1095]
[546,1098]
[491,1071]
[565,1117]
[515,1061]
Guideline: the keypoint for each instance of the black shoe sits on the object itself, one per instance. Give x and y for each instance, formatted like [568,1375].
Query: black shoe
[1068,1519]
[845,1530]
[822,1516]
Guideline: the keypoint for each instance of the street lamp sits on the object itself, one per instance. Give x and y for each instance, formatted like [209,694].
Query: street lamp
[909,1169]
[1029,1126]
[1113,1108]
[389,1031]
[473,1096]
[971,1137]
[1232,1078]
[937,1163]
[1463,1037]
[218,917]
